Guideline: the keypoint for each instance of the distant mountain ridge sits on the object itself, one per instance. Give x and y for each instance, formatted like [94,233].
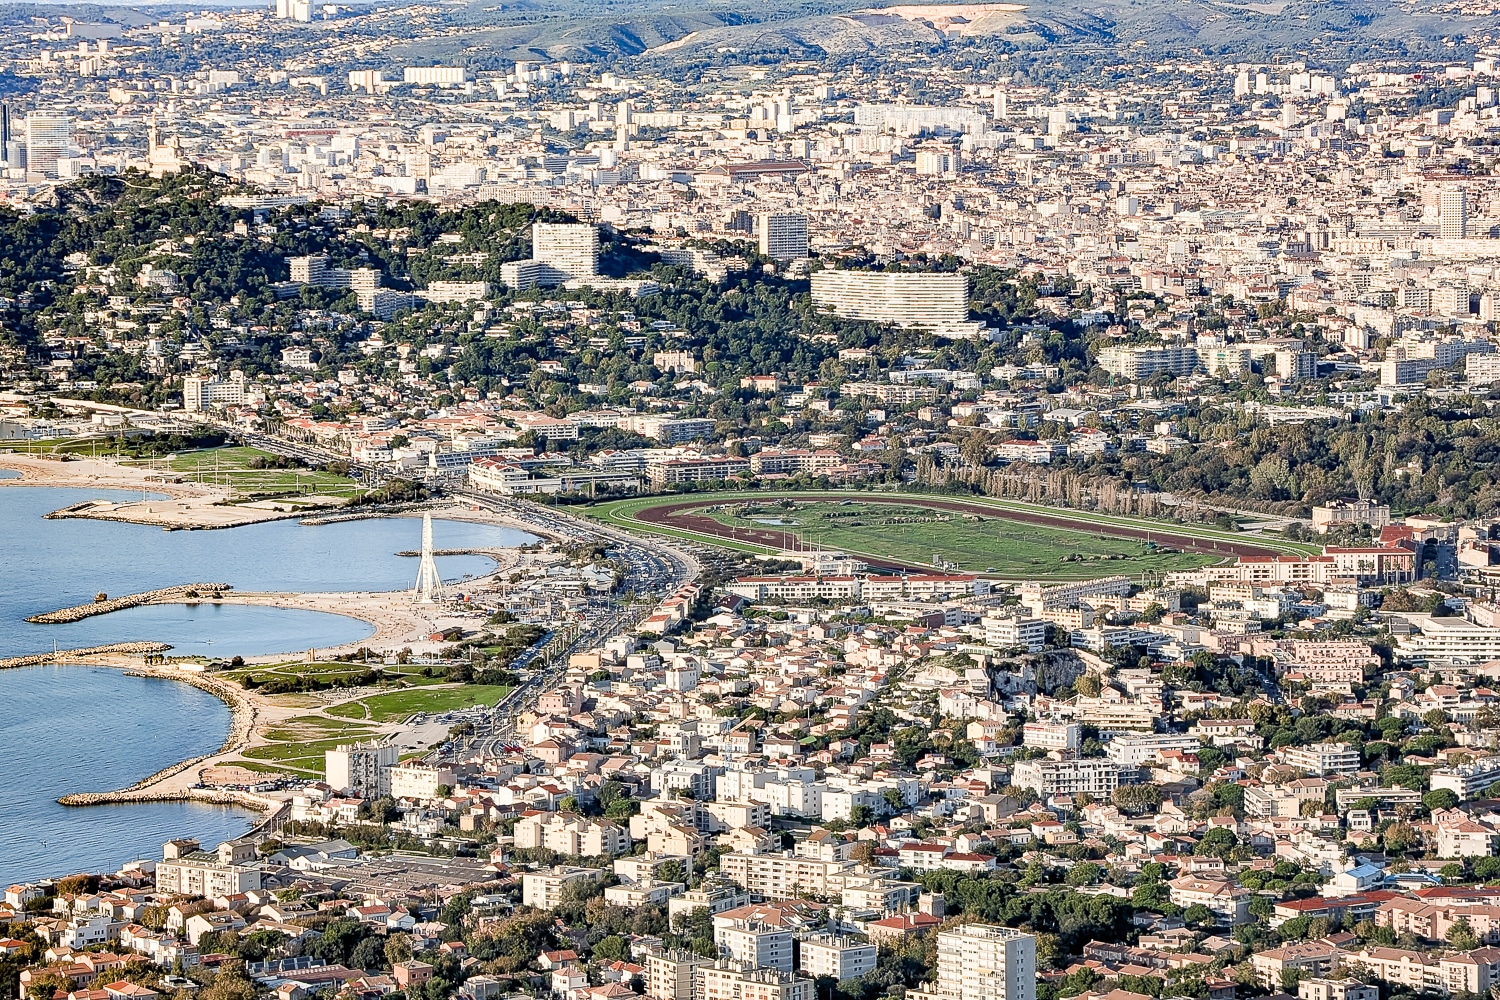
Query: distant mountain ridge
[485,34]
[558,29]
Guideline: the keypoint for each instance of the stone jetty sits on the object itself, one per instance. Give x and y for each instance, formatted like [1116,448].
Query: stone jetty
[74,655]
[167,595]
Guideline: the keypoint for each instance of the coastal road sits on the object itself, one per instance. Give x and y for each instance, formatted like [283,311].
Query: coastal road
[654,569]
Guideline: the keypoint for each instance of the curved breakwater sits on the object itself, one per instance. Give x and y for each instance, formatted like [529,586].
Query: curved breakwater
[185,592]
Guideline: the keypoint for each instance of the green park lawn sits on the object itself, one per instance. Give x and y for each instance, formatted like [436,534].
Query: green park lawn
[326,670]
[235,468]
[302,755]
[398,705]
[297,744]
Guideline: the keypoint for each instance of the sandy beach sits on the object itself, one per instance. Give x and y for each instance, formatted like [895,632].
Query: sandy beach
[47,470]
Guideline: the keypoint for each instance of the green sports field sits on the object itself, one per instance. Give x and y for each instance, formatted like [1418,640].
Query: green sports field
[914,534]
[987,536]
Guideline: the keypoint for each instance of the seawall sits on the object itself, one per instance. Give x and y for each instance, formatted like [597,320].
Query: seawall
[166,595]
[81,655]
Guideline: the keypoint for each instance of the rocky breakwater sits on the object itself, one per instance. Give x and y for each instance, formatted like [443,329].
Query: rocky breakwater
[212,796]
[167,595]
[85,654]
[172,783]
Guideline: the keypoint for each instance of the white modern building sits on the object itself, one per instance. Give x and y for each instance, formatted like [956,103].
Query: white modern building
[363,768]
[200,393]
[982,962]
[544,890]
[569,247]
[1135,749]
[1323,759]
[1013,632]
[1093,775]
[1144,361]
[783,235]
[1467,780]
[837,957]
[930,300]
[759,944]
[434,76]
[1453,214]
[48,137]
[1052,735]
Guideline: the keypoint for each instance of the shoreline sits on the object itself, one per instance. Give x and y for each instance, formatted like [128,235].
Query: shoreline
[397,622]
[243,717]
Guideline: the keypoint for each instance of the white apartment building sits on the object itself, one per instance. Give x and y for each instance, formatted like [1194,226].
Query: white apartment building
[1450,640]
[1142,362]
[544,889]
[839,957]
[419,781]
[709,468]
[569,247]
[443,292]
[1029,634]
[1467,780]
[568,834]
[1135,749]
[783,235]
[362,768]
[939,162]
[1229,902]
[982,962]
[668,430]
[1482,369]
[730,980]
[1098,778]
[781,876]
[49,137]
[938,301]
[721,816]
[672,974]
[635,895]
[434,76]
[200,393]
[1052,735]
[1453,214]
[911,119]
[1323,759]
[755,943]
[184,870]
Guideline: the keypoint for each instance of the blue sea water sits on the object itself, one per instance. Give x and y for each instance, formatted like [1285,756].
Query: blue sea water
[71,729]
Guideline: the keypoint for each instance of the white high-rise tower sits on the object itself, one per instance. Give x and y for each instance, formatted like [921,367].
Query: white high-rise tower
[429,584]
[1453,214]
[979,962]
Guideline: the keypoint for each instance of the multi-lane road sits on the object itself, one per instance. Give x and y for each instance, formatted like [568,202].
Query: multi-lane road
[653,569]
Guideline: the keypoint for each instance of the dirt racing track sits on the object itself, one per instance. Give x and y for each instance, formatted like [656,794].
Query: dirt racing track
[680,515]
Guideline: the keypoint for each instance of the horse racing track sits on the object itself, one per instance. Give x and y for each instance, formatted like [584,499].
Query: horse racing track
[686,515]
